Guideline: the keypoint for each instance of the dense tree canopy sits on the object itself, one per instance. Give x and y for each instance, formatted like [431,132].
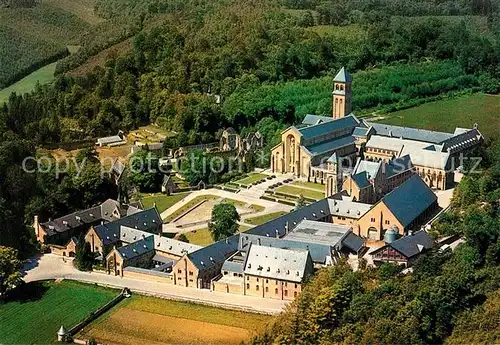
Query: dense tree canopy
[224,221]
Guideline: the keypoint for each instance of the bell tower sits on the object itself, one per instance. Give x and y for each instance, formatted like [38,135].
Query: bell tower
[342,94]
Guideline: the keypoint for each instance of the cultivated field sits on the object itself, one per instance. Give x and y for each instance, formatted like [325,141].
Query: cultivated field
[37,311]
[447,114]
[148,320]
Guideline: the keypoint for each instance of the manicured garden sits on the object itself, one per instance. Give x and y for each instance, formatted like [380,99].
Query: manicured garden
[251,178]
[163,201]
[311,185]
[147,320]
[264,218]
[35,312]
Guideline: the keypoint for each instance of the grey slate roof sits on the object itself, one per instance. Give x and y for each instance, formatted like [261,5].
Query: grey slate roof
[409,200]
[349,121]
[361,179]
[413,245]
[132,250]
[319,252]
[107,211]
[148,220]
[336,205]
[310,119]
[319,232]
[275,263]
[360,132]
[343,76]
[353,242]
[398,166]
[409,133]
[215,253]
[331,145]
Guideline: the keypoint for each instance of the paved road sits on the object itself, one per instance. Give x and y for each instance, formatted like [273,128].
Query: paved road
[50,266]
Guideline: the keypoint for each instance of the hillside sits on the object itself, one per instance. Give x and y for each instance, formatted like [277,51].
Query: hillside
[33,37]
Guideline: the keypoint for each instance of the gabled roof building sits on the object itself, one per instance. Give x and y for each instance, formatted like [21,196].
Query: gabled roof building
[305,149]
[404,250]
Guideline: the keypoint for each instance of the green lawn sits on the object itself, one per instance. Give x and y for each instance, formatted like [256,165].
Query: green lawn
[298,191]
[37,311]
[163,201]
[202,237]
[315,186]
[447,114]
[188,205]
[43,75]
[264,219]
[251,178]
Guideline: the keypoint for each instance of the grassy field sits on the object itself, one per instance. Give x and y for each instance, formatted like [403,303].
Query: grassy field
[163,201]
[264,219]
[447,114]
[148,320]
[308,193]
[315,186]
[43,75]
[37,311]
[251,179]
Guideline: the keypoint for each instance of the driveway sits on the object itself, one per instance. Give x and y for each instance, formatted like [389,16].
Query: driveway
[49,267]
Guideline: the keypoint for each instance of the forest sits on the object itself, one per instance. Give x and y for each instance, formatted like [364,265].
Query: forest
[451,297]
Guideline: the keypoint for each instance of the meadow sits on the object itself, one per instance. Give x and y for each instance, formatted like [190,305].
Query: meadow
[36,311]
[148,320]
[42,76]
[445,115]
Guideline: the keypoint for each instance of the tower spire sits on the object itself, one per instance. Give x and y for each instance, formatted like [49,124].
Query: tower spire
[342,94]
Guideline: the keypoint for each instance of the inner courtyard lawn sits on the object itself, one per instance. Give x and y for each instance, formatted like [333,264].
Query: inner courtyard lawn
[163,201]
[312,185]
[264,218]
[36,311]
[251,178]
[188,205]
[308,193]
[149,320]
[203,237]
[445,115]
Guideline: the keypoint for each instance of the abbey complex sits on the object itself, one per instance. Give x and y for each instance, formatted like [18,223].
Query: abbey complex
[368,159]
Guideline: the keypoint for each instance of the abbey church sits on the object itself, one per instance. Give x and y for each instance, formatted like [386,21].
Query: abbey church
[320,148]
